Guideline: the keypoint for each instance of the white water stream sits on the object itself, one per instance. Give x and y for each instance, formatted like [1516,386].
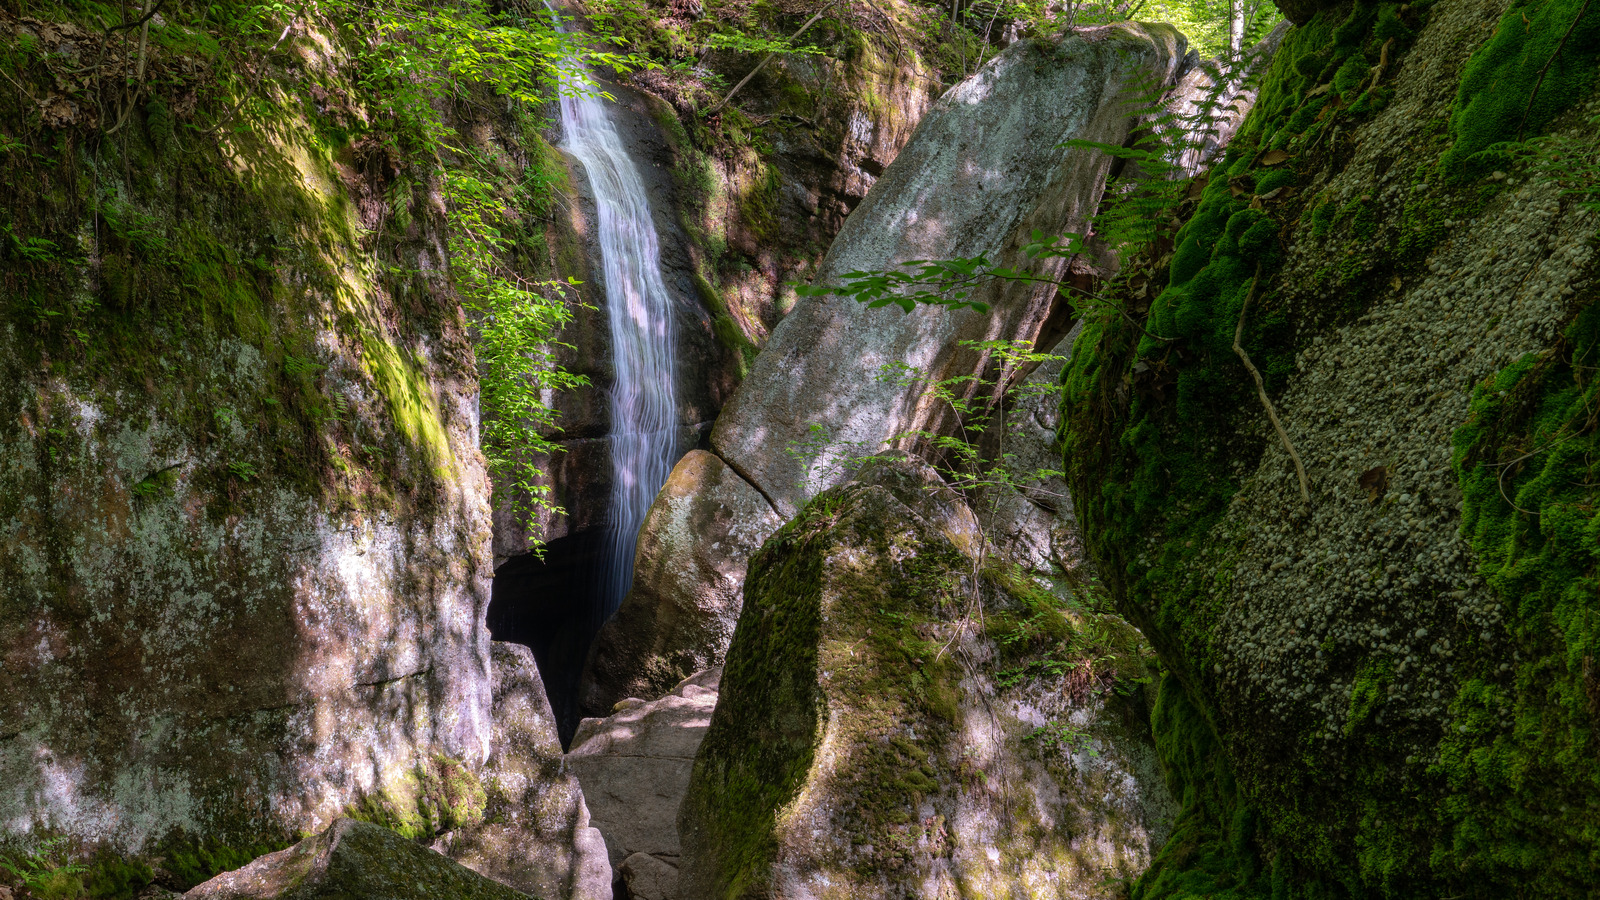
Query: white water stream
[643,404]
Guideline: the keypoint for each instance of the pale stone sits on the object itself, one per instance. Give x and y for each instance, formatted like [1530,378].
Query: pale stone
[688,573]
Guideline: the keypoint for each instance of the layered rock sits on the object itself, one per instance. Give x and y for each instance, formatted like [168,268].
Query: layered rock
[862,746]
[352,860]
[634,766]
[983,170]
[1381,682]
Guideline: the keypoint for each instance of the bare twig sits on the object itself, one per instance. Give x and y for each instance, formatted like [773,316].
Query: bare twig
[1261,390]
[768,58]
[143,19]
[1537,82]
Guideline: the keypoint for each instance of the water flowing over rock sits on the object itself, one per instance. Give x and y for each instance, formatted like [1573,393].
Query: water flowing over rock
[862,748]
[353,860]
[982,171]
[644,415]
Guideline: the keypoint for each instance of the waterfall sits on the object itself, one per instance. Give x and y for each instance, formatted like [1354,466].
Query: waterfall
[643,405]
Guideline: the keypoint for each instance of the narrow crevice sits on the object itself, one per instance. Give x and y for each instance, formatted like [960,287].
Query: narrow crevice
[752,482]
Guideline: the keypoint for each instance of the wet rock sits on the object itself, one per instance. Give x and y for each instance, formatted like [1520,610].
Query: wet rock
[353,861]
[689,571]
[862,748]
[634,767]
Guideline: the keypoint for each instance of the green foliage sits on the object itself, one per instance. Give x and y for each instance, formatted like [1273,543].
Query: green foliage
[47,871]
[1540,59]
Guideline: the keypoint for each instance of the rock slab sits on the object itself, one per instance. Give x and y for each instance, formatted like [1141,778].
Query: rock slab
[634,767]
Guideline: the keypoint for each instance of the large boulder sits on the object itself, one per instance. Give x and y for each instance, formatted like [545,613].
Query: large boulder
[687,578]
[244,529]
[1382,678]
[535,833]
[893,724]
[984,169]
[634,765]
[353,861]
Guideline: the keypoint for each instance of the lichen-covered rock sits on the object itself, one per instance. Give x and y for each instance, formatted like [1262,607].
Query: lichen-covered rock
[244,545]
[985,168]
[353,861]
[534,833]
[873,739]
[687,578]
[945,195]
[634,766]
[1388,690]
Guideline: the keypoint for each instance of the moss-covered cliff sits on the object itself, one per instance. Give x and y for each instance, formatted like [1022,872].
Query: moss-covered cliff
[244,531]
[1388,690]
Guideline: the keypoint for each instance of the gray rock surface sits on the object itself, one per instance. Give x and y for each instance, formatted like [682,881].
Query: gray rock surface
[535,835]
[862,747]
[688,574]
[634,767]
[353,861]
[983,170]
[979,174]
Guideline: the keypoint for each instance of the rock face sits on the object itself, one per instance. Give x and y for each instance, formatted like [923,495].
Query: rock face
[1389,689]
[686,584]
[634,767]
[535,833]
[981,172]
[862,747]
[352,860]
[244,538]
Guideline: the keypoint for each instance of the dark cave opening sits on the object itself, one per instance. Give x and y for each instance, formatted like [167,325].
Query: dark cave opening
[552,606]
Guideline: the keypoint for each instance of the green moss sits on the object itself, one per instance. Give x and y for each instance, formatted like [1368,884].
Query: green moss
[1525,742]
[116,878]
[1497,100]
[189,862]
[437,796]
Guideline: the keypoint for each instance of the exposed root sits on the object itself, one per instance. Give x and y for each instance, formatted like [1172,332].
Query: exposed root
[1261,390]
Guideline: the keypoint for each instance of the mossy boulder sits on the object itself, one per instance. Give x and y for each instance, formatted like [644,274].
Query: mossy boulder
[353,860]
[1384,691]
[877,737]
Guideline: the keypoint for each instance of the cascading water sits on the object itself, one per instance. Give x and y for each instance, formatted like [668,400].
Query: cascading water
[643,405]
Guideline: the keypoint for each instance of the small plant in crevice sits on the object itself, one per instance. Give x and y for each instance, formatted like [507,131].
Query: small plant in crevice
[47,871]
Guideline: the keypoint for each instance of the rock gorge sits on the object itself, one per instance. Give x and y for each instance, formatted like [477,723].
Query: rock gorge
[1308,610]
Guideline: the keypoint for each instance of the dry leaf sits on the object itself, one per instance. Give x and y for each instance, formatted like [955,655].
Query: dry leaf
[1319,90]
[1196,188]
[1374,481]
[1275,158]
[1273,194]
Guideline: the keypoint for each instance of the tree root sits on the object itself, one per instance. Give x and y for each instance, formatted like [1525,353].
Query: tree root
[1261,390]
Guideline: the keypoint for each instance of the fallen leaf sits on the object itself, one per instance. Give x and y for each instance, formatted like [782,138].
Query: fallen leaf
[1275,158]
[1319,90]
[1273,194]
[1374,481]
[1196,188]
